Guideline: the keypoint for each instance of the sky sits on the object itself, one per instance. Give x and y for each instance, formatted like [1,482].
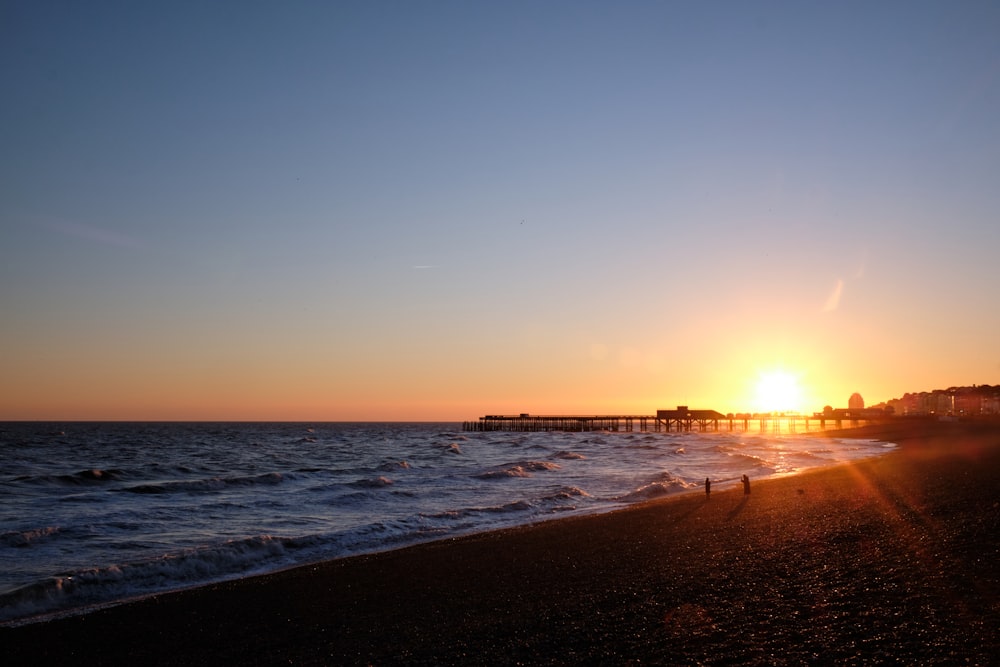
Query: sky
[440,210]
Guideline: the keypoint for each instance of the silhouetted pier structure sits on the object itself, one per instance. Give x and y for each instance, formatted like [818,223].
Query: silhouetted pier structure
[526,422]
[680,420]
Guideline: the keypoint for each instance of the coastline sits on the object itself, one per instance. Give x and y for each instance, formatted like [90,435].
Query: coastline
[888,559]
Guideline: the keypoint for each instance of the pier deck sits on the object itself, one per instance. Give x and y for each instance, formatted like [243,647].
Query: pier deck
[526,422]
[663,421]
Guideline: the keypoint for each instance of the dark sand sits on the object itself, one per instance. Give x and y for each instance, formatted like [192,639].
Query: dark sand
[888,561]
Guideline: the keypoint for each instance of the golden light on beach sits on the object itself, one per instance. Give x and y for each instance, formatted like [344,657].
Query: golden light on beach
[778,391]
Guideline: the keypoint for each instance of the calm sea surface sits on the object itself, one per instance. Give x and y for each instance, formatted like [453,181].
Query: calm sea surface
[95,513]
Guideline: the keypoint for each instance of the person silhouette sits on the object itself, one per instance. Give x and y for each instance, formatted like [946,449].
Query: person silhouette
[746,485]
[708,487]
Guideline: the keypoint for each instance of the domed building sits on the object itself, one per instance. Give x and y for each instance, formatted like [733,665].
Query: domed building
[855,402]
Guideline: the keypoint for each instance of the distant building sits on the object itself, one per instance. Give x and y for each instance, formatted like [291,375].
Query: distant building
[855,402]
[684,418]
[684,412]
[936,402]
[966,401]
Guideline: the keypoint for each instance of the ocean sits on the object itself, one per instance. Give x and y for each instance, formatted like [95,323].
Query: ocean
[93,514]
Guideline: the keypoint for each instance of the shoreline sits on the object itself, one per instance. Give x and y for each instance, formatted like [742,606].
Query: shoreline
[637,494]
[857,559]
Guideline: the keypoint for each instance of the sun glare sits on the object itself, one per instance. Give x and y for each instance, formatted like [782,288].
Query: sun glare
[778,391]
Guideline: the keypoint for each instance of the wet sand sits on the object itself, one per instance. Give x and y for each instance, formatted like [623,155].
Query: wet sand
[894,560]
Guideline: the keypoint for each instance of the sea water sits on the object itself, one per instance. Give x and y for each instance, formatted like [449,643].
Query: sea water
[96,513]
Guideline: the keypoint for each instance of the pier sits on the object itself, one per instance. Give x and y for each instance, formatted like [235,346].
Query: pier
[680,420]
[526,422]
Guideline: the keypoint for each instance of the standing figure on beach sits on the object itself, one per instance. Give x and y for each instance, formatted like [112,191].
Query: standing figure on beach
[708,487]
[746,485]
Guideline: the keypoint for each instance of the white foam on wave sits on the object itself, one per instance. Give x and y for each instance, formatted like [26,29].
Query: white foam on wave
[519,469]
[24,538]
[663,485]
[569,456]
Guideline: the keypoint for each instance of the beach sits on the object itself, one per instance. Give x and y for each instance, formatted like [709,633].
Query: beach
[890,560]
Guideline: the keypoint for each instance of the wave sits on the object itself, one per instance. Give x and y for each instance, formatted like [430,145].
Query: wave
[566,493]
[520,469]
[664,485]
[809,456]
[569,456]
[449,447]
[754,461]
[82,477]
[206,485]
[93,587]
[373,483]
[557,497]
[24,538]
[513,506]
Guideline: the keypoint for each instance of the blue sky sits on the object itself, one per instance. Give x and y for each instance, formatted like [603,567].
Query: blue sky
[439,210]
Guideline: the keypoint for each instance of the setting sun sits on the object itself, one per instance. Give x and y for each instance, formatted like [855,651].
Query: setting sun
[778,391]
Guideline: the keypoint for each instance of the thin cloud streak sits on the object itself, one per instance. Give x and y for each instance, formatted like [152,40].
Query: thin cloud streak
[95,234]
[833,300]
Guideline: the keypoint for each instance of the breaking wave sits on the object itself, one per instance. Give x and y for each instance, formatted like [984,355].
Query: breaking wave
[102,585]
[522,469]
